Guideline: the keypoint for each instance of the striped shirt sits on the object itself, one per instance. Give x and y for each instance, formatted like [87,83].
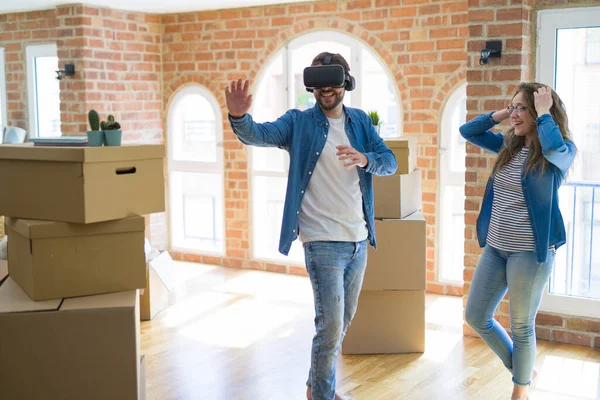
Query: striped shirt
[510,228]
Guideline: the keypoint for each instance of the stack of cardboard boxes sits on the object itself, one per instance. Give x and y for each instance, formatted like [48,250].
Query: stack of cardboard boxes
[69,307]
[390,317]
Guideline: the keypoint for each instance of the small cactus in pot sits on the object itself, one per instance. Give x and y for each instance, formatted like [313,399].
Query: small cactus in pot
[95,136]
[112,131]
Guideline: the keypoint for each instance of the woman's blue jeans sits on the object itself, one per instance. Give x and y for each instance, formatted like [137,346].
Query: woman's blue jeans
[525,280]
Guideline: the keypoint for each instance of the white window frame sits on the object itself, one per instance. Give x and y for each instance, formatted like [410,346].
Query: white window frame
[3,97]
[196,166]
[31,52]
[444,152]
[355,60]
[548,21]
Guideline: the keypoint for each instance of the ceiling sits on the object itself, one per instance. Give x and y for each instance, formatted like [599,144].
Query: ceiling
[149,6]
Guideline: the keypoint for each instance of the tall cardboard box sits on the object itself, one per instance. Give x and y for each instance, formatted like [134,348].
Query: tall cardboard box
[397,196]
[386,322]
[399,262]
[52,260]
[72,349]
[81,184]
[159,282]
[405,150]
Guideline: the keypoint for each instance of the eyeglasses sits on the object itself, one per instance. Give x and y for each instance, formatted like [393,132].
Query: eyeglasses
[519,109]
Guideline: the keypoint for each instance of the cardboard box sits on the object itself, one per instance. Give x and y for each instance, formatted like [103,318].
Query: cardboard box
[81,184]
[3,269]
[52,260]
[159,278]
[397,196]
[387,322]
[400,260]
[405,150]
[142,388]
[72,349]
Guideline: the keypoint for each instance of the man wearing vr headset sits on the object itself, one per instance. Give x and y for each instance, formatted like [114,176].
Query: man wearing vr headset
[334,151]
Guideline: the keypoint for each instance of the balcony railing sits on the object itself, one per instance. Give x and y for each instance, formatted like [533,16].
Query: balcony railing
[577,267]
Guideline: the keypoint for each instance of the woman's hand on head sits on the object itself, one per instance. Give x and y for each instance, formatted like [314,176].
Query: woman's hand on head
[542,100]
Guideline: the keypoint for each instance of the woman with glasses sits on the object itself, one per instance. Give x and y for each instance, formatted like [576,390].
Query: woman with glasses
[520,225]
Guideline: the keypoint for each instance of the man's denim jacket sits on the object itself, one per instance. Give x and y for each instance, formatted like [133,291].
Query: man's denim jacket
[303,135]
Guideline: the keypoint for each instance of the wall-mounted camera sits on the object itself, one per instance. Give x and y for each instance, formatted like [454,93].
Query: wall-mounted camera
[68,71]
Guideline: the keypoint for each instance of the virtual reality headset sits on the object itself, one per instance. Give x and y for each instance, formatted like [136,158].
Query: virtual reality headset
[321,76]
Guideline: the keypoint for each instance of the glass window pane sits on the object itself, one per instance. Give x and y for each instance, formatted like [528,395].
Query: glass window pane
[453,233]
[197,211]
[379,95]
[577,81]
[452,188]
[270,103]
[47,96]
[195,130]
[458,147]
[268,197]
[578,84]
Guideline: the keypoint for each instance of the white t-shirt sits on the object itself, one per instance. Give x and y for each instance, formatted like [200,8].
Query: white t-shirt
[332,209]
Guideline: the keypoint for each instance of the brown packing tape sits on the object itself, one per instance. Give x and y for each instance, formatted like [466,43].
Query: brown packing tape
[35,229]
[82,154]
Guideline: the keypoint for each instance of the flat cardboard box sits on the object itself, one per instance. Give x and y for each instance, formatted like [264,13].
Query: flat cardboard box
[387,322]
[405,150]
[71,349]
[81,184]
[400,260]
[397,196]
[155,297]
[52,260]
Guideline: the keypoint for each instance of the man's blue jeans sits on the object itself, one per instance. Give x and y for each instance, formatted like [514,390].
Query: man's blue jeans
[336,271]
[525,279]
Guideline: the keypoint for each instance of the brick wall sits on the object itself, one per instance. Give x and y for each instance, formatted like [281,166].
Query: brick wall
[117,57]
[490,88]
[423,44]
[16,31]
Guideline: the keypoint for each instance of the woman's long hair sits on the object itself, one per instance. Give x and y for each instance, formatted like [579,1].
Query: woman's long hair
[513,143]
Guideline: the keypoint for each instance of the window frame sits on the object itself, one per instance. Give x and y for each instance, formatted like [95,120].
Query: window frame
[356,47]
[445,148]
[548,21]
[195,166]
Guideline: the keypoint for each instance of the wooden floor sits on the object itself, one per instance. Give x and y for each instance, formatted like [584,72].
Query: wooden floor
[239,334]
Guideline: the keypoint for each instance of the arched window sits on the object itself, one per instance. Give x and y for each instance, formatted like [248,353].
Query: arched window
[280,87]
[451,205]
[195,160]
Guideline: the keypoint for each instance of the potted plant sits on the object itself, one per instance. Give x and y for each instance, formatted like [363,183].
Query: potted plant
[374,115]
[95,136]
[112,131]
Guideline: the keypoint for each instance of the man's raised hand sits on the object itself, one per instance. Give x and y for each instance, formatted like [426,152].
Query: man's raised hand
[237,98]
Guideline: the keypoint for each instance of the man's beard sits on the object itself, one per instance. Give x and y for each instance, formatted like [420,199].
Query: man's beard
[338,98]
